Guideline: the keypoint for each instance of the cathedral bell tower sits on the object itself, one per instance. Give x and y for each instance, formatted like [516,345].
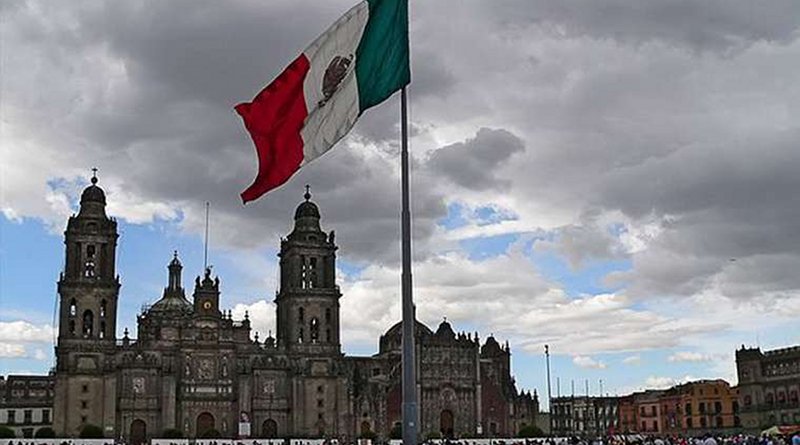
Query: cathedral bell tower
[308,299]
[88,287]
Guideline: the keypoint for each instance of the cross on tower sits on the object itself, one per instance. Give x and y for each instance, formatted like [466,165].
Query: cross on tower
[94,175]
[308,192]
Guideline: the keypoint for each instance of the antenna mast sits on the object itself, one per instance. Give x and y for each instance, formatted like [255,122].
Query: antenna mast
[205,248]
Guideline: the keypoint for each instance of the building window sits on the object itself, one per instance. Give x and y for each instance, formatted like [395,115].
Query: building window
[702,407]
[88,323]
[73,308]
[328,335]
[328,315]
[717,407]
[84,404]
[313,329]
[703,422]
[45,416]
[735,406]
[719,422]
[644,425]
[300,336]
[689,422]
[300,314]
[85,388]
[83,419]
[88,270]
[12,417]
[28,416]
[320,403]
[688,409]
[736,421]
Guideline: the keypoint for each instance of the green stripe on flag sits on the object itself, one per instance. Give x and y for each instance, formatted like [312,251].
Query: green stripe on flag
[382,65]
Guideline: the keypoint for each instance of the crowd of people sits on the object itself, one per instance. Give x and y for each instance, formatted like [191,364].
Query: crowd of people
[708,439]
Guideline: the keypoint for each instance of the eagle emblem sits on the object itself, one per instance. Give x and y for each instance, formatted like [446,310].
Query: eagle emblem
[334,75]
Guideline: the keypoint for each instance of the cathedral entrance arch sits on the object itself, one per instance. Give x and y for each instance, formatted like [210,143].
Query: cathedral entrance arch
[205,425]
[138,432]
[366,429]
[446,424]
[269,429]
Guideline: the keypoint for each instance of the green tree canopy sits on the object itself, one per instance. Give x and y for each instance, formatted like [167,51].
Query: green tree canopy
[90,431]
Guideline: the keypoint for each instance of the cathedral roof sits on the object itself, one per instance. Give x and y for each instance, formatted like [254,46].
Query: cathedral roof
[307,209]
[174,300]
[397,330]
[491,347]
[93,200]
[171,304]
[445,330]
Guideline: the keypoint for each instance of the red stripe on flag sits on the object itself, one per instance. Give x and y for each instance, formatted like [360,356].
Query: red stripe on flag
[274,119]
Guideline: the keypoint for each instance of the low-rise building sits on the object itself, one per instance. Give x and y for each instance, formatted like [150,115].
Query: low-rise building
[769,384]
[584,416]
[26,403]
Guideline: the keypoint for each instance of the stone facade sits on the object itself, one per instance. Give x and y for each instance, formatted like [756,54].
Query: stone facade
[194,368]
[26,403]
[769,384]
[584,416]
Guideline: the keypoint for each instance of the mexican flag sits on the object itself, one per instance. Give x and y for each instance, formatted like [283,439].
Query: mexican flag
[357,63]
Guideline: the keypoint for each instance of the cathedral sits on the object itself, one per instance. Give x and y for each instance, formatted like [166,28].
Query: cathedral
[192,368]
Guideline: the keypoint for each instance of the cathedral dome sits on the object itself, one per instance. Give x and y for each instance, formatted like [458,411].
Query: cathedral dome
[93,193]
[306,209]
[445,330]
[171,304]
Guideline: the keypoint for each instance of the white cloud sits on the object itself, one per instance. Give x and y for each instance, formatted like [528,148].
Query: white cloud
[262,317]
[632,360]
[587,362]
[688,356]
[23,331]
[655,382]
[12,350]
[39,355]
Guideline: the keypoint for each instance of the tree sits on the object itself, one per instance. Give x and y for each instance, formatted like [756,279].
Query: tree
[7,433]
[368,435]
[90,431]
[45,433]
[530,431]
[396,432]
[172,433]
[210,434]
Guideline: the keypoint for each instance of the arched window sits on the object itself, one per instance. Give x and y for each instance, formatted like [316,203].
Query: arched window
[88,323]
[314,329]
[72,327]
[300,336]
[300,314]
[73,308]
[770,398]
[102,332]
[88,269]
[103,309]
[328,335]
[328,315]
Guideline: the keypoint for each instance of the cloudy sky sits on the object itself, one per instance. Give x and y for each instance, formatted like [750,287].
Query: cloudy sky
[617,178]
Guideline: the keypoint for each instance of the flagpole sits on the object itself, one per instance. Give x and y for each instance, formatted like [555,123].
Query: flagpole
[410,426]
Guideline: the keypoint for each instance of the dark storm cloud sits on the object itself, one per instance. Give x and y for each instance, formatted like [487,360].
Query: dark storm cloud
[472,163]
[714,25]
[674,114]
